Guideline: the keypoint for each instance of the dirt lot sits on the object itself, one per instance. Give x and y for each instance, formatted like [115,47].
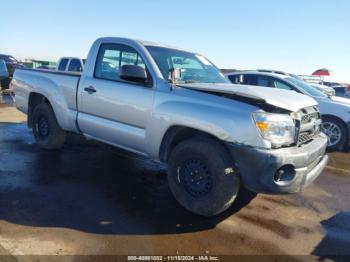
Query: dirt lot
[92,199]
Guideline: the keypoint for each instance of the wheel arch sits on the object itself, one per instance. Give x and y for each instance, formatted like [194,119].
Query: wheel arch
[176,134]
[346,126]
[34,100]
[338,118]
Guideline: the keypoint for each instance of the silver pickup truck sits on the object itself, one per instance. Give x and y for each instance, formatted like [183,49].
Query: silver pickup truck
[176,107]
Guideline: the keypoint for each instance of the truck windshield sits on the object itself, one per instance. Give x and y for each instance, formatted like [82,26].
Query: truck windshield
[194,68]
[305,88]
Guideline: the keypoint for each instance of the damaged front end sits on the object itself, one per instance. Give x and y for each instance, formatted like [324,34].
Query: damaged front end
[296,155]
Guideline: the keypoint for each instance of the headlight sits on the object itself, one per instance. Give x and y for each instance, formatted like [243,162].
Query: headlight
[279,129]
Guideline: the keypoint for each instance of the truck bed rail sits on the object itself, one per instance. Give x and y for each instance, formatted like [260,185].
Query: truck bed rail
[56,72]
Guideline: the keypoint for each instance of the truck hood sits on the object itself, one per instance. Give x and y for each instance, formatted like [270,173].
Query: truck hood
[289,100]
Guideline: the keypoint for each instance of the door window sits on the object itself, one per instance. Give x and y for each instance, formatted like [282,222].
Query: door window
[235,79]
[250,80]
[264,81]
[282,85]
[112,57]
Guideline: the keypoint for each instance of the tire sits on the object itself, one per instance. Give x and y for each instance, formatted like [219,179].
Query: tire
[214,187]
[338,128]
[47,132]
[5,84]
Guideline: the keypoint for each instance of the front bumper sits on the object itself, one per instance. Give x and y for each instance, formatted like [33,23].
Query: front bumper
[258,167]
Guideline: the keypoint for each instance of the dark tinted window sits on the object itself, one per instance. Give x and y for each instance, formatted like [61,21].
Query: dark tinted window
[250,80]
[112,57]
[63,64]
[3,68]
[264,81]
[75,66]
[235,79]
[339,91]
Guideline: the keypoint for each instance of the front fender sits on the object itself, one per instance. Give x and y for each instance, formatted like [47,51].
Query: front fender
[332,108]
[220,122]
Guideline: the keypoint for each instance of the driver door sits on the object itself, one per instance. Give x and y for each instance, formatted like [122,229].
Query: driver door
[113,110]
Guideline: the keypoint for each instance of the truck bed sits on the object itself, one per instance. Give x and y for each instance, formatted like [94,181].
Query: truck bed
[59,87]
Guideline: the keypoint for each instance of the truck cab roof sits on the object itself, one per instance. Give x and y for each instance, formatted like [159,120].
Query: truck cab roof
[140,42]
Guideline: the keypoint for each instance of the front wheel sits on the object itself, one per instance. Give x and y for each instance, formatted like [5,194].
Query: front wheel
[47,132]
[336,133]
[202,176]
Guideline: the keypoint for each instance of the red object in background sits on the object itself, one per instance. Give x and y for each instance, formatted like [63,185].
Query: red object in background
[322,72]
[348,88]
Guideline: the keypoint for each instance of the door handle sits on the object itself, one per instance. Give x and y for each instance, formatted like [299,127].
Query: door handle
[90,89]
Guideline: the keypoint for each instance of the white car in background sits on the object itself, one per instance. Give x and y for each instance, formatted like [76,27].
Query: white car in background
[329,91]
[70,64]
[335,110]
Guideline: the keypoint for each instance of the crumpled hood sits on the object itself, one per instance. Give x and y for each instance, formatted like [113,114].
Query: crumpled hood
[285,99]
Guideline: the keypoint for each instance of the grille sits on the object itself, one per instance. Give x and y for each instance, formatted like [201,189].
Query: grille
[309,124]
[306,137]
[309,117]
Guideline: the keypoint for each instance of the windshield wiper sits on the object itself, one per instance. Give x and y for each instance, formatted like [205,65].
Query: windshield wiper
[190,81]
[186,82]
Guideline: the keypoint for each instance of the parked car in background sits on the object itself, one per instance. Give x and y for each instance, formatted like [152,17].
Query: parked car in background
[342,91]
[176,107]
[335,111]
[272,71]
[11,64]
[70,64]
[3,72]
[331,84]
[311,80]
[329,91]
[280,73]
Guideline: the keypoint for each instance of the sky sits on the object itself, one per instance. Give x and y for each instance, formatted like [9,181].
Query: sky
[296,36]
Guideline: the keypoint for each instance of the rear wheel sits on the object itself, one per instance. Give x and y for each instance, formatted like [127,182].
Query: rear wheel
[336,133]
[46,130]
[202,176]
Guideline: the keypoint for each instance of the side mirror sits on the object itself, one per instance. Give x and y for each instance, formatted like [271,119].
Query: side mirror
[3,69]
[133,73]
[174,75]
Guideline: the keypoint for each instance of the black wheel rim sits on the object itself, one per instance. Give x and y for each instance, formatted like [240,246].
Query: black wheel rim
[196,178]
[43,127]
